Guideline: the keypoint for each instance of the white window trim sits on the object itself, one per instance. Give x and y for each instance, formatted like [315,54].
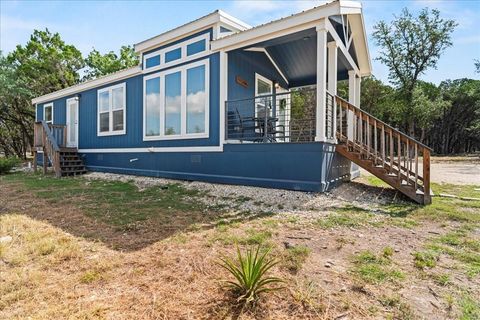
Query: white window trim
[183,128]
[46,105]
[264,79]
[183,57]
[110,132]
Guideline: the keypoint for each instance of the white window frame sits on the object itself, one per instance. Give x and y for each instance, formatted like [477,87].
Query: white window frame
[183,57]
[111,132]
[183,108]
[46,105]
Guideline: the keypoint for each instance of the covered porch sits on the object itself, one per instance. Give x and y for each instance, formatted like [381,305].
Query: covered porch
[281,87]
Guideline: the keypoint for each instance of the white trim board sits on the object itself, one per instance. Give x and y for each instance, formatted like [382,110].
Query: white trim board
[271,60]
[92,84]
[189,28]
[183,53]
[154,149]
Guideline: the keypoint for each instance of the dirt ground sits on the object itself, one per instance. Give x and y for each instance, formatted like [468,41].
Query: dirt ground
[65,264]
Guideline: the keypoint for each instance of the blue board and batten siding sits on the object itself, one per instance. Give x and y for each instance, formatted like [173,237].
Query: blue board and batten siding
[307,166]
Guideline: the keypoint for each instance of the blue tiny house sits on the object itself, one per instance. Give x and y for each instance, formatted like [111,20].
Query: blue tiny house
[218,100]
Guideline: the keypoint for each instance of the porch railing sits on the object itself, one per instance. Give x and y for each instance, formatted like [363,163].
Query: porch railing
[406,160]
[50,138]
[281,117]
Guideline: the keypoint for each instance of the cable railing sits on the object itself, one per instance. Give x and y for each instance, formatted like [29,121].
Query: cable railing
[281,117]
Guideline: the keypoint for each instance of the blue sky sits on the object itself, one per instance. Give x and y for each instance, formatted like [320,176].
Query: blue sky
[107,25]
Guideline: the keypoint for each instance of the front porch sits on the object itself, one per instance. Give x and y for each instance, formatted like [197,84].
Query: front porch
[282,89]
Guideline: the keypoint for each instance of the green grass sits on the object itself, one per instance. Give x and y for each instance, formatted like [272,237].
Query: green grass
[470,307]
[121,204]
[375,269]
[294,257]
[350,217]
[425,259]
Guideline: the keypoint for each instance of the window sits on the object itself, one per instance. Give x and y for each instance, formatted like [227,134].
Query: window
[176,103]
[152,62]
[173,55]
[178,53]
[48,113]
[111,106]
[196,47]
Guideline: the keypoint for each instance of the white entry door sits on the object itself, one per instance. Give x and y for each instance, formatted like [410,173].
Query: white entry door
[72,122]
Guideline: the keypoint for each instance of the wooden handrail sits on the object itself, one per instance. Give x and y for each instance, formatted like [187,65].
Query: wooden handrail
[45,139]
[388,148]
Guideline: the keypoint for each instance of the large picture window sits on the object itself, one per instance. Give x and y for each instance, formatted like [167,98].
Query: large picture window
[176,103]
[111,106]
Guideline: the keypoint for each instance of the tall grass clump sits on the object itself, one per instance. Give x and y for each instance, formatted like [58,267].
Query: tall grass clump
[7,164]
[250,271]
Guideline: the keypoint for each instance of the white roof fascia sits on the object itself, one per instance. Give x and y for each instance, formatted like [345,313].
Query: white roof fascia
[190,28]
[289,24]
[232,21]
[91,84]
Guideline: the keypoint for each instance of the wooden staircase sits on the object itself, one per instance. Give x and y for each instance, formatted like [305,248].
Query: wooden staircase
[51,140]
[385,152]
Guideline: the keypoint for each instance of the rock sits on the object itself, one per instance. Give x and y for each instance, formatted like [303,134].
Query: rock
[5,239]
[327,265]
[397,250]
[343,289]
[324,247]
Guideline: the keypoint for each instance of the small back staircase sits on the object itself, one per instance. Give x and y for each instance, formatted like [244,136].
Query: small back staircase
[51,140]
[385,152]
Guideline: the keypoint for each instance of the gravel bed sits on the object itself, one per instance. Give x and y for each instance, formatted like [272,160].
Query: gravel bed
[254,199]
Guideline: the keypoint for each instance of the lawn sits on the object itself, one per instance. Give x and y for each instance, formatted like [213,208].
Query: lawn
[94,249]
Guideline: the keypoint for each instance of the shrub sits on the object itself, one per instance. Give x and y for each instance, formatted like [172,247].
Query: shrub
[250,272]
[7,164]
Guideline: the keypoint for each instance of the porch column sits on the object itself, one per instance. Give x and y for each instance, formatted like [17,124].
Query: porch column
[321,81]
[358,85]
[332,81]
[351,98]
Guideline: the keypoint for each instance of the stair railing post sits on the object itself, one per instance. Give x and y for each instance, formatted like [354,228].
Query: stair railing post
[427,199]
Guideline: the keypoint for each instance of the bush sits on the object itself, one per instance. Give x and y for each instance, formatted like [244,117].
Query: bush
[7,164]
[250,272]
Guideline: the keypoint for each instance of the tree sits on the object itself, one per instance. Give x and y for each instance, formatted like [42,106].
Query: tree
[100,65]
[45,64]
[477,66]
[411,45]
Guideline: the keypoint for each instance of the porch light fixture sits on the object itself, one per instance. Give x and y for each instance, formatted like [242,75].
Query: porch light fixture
[306,38]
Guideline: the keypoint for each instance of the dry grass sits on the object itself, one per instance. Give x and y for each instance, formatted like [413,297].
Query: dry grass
[55,268]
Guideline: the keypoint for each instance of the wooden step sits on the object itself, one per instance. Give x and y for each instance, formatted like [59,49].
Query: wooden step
[381,173]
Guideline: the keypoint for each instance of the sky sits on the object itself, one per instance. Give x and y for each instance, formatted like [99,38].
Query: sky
[107,25]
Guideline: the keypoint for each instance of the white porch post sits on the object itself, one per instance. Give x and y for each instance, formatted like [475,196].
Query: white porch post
[223,94]
[332,81]
[321,81]
[351,98]
[358,83]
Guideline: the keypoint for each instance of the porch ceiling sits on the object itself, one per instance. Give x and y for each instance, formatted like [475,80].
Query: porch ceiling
[296,56]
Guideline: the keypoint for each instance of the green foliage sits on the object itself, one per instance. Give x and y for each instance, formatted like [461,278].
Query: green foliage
[100,65]
[7,164]
[425,259]
[294,257]
[250,271]
[375,269]
[410,45]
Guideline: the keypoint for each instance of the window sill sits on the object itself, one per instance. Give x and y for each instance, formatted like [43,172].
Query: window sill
[110,133]
[177,137]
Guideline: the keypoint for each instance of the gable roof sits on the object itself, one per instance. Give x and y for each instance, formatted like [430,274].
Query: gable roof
[295,22]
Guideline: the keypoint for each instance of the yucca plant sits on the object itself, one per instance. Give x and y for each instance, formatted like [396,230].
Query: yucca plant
[250,272]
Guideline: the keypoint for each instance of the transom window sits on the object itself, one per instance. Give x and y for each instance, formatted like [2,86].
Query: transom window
[111,107]
[48,113]
[176,103]
[181,52]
